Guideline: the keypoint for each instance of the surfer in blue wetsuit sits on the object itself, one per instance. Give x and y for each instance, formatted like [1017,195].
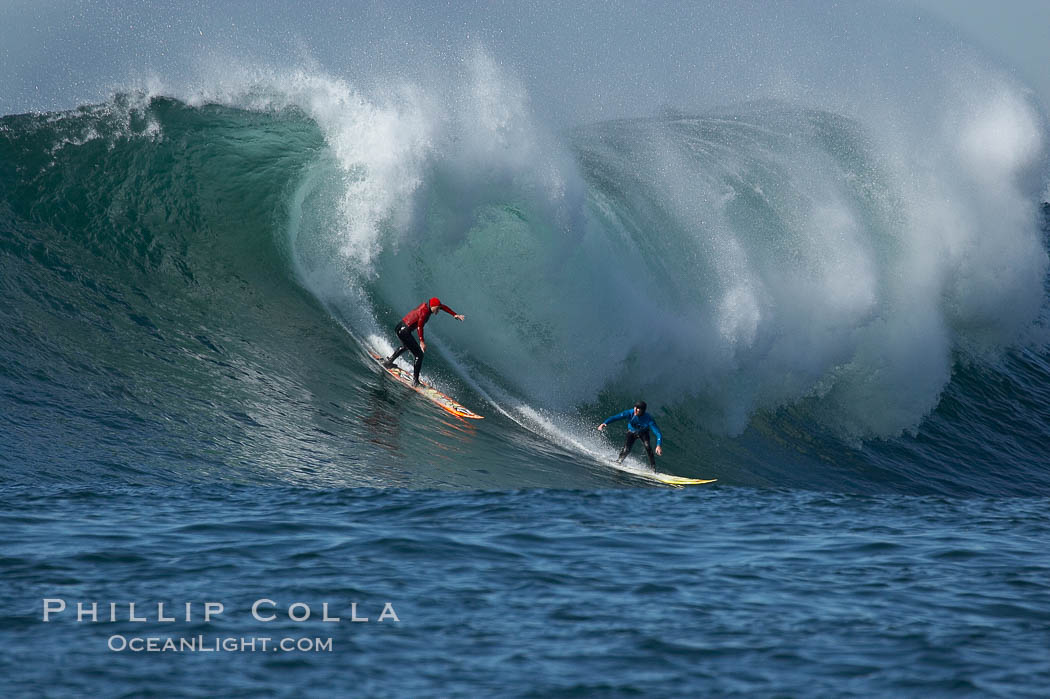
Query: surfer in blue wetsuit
[639,426]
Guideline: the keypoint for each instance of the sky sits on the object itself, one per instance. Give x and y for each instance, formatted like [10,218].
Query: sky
[1018,31]
[54,52]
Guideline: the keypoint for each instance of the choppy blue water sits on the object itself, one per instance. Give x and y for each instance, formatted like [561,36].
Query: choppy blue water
[834,301]
[714,591]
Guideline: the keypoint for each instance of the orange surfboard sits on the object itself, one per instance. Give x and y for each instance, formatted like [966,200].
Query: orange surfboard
[428,391]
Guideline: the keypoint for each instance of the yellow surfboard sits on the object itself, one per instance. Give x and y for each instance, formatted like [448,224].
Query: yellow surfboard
[426,390]
[681,480]
[665,478]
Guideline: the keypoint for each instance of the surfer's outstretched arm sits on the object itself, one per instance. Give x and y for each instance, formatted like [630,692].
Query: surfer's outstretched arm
[619,416]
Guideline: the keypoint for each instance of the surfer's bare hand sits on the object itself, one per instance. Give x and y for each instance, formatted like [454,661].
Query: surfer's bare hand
[460,317]
[659,451]
[601,427]
[422,346]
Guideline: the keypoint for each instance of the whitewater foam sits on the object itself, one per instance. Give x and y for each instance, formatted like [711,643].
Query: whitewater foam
[767,255]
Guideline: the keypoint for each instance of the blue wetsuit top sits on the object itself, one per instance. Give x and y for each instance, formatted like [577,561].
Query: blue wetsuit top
[637,422]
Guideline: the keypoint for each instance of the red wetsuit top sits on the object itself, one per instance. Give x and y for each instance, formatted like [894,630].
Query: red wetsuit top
[419,316]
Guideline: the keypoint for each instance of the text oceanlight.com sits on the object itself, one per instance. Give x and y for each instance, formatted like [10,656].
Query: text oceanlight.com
[227,644]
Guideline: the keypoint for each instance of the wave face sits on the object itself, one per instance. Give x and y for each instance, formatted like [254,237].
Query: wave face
[807,296]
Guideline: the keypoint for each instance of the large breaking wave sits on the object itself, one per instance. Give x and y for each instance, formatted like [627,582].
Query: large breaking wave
[786,269]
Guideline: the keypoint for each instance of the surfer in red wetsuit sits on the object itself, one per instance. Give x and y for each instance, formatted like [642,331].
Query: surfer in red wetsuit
[415,320]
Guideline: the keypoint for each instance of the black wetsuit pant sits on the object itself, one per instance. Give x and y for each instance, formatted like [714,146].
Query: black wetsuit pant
[408,342]
[629,444]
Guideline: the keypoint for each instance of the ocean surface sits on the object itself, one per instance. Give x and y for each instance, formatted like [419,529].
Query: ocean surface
[836,308]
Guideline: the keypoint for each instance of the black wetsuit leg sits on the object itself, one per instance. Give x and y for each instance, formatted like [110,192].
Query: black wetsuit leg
[644,436]
[408,342]
[629,444]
